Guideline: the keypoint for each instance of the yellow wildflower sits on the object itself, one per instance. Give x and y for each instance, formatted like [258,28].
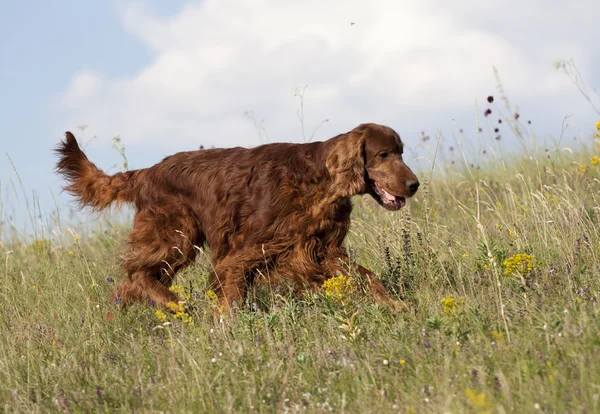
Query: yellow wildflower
[179,312]
[450,305]
[402,362]
[466,255]
[337,287]
[161,315]
[598,125]
[521,263]
[497,336]
[40,245]
[212,295]
[582,169]
[185,317]
[595,160]
[175,307]
[180,291]
[177,289]
[71,253]
[477,400]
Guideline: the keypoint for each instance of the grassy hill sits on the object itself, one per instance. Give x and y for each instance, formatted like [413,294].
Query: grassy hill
[497,261]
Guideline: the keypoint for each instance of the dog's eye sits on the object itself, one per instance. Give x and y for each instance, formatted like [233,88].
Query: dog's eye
[383,155]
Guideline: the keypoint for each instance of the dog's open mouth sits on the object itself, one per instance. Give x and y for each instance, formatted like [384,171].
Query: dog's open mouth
[388,200]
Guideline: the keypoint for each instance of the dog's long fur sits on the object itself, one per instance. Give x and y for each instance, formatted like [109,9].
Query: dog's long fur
[279,209]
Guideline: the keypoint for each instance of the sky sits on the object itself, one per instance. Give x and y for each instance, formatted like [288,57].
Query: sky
[168,76]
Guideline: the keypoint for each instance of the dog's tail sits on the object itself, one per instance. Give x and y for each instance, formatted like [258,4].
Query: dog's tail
[87,183]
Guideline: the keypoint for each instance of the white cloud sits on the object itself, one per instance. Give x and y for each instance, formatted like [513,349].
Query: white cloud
[216,59]
[83,85]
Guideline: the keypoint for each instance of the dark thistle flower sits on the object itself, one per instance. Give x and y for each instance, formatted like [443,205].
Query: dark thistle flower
[490,99]
[487,112]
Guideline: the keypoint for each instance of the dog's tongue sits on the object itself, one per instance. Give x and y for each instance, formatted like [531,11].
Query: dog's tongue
[392,199]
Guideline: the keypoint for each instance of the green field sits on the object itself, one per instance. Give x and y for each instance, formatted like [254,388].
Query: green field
[497,260]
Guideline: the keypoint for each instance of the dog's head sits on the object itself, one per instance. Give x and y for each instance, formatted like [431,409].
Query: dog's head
[368,159]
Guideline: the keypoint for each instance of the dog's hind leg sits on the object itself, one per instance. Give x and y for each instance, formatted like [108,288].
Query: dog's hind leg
[143,284]
[160,244]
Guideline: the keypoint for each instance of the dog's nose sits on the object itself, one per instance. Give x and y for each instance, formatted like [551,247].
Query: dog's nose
[413,186]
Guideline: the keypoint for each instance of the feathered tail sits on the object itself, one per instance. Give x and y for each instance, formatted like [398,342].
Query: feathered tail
[90,185]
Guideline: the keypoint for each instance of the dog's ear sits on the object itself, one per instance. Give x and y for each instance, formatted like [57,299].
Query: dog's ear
[346,162]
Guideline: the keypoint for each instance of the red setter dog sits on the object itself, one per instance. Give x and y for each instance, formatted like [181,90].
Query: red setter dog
[281,210]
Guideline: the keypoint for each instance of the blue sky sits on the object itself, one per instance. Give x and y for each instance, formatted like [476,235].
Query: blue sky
[42,45]
[172,75]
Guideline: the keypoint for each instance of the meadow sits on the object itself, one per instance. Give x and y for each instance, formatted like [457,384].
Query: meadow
[496,259]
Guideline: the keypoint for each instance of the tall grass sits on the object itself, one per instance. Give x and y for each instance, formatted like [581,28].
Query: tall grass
[496,260]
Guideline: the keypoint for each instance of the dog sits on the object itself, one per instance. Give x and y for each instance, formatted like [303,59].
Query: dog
[280,210]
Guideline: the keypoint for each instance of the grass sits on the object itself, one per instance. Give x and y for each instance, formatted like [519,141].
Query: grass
[498,264]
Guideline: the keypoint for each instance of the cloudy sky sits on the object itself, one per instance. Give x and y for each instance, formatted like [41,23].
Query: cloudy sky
[172,75]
